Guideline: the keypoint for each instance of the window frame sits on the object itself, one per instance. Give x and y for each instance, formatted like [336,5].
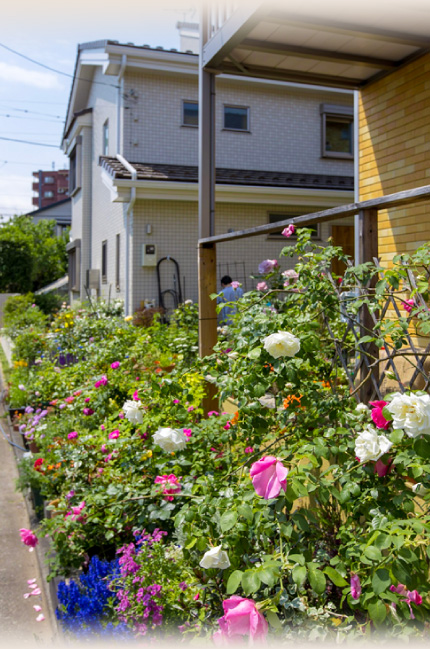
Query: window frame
[48,193]
[105,138]
[189,101]
[248,119]
[340,113]
[118,262]
[75,167]
[277,236]
[104,261]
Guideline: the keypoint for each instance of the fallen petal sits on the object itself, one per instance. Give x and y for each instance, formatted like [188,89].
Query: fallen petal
[40,618]
[31,581]
[37,608]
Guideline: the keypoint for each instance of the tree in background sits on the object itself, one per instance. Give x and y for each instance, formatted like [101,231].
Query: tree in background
[31,255]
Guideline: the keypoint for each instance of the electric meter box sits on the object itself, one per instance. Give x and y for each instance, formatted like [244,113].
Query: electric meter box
[149,254]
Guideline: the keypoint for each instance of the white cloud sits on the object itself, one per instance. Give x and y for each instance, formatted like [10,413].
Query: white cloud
[16,74]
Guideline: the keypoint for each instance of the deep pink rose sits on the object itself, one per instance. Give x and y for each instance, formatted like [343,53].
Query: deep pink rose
[72,435]
[136,395]
[355,586]
[76,512]
[103,381]
[377,416]
[288,231]
[249,449]
[267,266]
[170,484]
[115,365]
[187,432]
[88,411]
[269,476]
[382,469]
[241,618]
[408,305]
[114,434]
[28,538]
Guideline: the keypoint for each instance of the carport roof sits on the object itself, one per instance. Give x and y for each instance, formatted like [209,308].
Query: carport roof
[331,43]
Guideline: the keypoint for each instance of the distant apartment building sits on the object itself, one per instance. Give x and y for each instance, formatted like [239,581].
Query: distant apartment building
[50,187]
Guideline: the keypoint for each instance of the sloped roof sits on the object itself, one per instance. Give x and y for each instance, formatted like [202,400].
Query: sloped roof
[189,173]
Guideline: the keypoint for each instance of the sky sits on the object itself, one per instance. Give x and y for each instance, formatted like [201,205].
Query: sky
[33,99]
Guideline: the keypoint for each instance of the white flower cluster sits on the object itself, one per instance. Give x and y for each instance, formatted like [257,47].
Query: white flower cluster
[369,445]
[282,343]
[133,411]
[170,439]
[411,412]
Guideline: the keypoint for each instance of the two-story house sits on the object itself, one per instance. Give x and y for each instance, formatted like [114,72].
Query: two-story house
[131,134]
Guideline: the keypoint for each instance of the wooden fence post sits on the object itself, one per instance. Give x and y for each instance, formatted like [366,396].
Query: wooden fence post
[368,251]
[207,314]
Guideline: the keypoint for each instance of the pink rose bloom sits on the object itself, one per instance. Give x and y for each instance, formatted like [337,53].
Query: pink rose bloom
[262,286]
[69,399]
[408,305]
[78,393]
[72,435]
[213,413]
[176,401]
[88,411]
[170,484]
[288,231]
[115,365]
[235,284]
[269,476]
[190,409]
[382,469]
[249,449]
[87,399]
[267,266]
[241,618]
[121,415]
[104,448]
[355,586]
[102,427]
[103,381]
[76,512]
[227,426]
[135,395]
[377,416]
[187,432]
[28,538]
[114,434]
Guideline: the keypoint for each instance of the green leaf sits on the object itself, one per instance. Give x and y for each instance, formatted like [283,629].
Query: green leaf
[366,339]
[191,544]
[267,576]
[250,582]
[397,436]
[228,520]
[254,353]
[373,553]
[298,574]
[297,558]
[316,579]
[246,512]
[422,447]
[377,612]
[335,577]
[234,581]
[273,620]
[381,581]
[387,414]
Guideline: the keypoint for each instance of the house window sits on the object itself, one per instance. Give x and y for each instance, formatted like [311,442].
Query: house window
[48,194]
[75,167]
[236,118]
[274,218]
[104,262]
[105,146]
[73,250]
[48,180]
[117,261]
[337,131]
[190,113]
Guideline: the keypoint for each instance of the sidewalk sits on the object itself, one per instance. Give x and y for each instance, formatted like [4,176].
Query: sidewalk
[18,625]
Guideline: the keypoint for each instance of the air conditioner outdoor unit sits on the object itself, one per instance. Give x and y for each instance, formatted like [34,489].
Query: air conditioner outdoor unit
[93,278]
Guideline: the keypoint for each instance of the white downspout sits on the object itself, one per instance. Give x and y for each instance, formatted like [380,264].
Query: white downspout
[356,175]
[128,230]
[118,108]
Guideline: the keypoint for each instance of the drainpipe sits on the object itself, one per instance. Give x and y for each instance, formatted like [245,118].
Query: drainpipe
[119,97]
[356,177]
[128,230]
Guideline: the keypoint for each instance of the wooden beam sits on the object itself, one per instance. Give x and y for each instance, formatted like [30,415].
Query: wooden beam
[398,199]
[368,251]
[207,314]
[286,49]
[296,76]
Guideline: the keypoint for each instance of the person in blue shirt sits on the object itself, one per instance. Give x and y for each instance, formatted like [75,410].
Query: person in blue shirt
[230,293]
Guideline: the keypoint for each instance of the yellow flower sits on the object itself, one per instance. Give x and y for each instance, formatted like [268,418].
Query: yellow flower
[128,318]
[149,453]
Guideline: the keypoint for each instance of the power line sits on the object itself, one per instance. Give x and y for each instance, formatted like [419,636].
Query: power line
[35,119]
[47,67]
[34,112]
[9,139]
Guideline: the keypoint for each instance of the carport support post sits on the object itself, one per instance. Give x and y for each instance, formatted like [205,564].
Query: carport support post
[207,252]
[368,251]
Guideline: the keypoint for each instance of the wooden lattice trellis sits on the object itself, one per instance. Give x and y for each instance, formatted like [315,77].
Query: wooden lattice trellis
[368,367]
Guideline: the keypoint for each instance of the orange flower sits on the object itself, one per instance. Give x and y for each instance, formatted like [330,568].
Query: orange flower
[235,418]
[290,400]
[272,369]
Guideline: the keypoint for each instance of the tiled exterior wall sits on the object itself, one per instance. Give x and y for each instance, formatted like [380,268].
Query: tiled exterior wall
[394,152]
[285,124]
[174,231]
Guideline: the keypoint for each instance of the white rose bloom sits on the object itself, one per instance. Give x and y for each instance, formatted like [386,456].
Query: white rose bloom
[170,439]
[369,445]
[133,411]
[215,558]
[412,413]
[281,344]
[362,408]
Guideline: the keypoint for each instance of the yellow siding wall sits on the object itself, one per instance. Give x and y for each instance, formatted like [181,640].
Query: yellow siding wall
[394,146]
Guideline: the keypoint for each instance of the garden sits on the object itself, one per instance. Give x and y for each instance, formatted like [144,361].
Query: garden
[289,511]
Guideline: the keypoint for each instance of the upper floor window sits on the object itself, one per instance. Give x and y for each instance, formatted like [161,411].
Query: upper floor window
[105,146]
[104,262]
[48,194]
[190,113]
[48,180]
[236,118]
[337,131]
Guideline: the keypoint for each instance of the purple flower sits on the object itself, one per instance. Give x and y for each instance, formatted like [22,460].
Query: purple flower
[121,415]
[355,586]
[267,266]
[183,586]
[88,411]
[29,410]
